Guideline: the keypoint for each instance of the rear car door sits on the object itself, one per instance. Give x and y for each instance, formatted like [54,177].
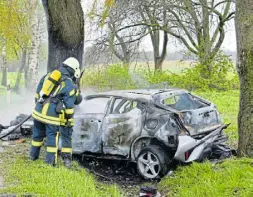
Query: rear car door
[122,125]
[87,128]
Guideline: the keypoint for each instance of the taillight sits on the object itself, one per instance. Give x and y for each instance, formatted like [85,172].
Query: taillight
[187,154]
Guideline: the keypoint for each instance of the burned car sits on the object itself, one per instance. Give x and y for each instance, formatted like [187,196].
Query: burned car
[150,127]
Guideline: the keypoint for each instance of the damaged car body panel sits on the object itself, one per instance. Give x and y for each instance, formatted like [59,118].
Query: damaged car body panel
[122,125]
[89,118]
[197,115]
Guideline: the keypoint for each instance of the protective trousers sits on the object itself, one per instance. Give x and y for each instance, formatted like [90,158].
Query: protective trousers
[66,140]
[51,133]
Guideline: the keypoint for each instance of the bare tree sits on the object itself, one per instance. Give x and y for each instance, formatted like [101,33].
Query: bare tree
[200,25]
[244,33]
[122,44]
[154,14]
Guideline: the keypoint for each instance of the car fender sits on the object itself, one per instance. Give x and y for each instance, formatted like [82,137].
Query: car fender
[149,140]
[133,144]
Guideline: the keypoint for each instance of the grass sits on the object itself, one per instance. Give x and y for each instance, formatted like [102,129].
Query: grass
[234,177]
[23,177]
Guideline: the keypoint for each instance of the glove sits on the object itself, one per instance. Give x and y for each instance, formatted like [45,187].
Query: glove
[68,124]
[79,99]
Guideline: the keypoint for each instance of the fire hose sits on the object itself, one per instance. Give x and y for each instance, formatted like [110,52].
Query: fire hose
[15,127]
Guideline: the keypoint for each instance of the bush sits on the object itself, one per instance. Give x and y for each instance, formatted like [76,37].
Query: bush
[222,77]
[113,77]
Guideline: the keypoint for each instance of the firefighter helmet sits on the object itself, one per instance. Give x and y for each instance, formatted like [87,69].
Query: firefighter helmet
[74,64]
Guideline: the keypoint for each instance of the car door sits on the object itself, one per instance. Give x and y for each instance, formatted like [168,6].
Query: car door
[122,125]
[88,119]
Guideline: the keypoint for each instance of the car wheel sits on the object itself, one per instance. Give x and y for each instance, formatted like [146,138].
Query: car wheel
[152,162]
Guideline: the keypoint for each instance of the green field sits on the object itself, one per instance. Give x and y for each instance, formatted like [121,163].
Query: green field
[234,177]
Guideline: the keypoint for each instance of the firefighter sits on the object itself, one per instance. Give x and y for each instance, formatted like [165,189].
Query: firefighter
[66,136]
[55,98]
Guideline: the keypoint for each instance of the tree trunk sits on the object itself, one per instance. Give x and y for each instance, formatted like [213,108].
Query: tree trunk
[4,66]
[244,33]
[65,21]
[21,68]
[34,50]
[159,56]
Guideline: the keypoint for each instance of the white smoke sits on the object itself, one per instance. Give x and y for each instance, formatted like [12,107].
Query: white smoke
[19,103]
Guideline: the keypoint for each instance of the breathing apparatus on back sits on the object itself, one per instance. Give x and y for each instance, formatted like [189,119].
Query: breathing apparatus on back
[53,80]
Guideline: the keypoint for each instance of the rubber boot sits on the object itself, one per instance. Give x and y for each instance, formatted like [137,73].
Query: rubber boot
[50,159]
[66,158]
[34,153]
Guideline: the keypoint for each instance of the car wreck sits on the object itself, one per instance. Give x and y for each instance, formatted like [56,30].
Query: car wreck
[150,127]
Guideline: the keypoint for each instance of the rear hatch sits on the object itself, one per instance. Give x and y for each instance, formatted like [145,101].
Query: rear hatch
[197,114]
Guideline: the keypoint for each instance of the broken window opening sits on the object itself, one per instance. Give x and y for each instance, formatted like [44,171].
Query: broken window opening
[183,102]
[122,106]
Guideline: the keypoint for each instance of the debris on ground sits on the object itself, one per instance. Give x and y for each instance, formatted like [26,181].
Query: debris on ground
[20,141]
[149,191]
[117,172]
[170,173]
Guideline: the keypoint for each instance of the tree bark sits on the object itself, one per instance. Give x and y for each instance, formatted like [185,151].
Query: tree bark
[65,23]
[4,66]
[244,33]
[34,50]
[21,68]
[159,56]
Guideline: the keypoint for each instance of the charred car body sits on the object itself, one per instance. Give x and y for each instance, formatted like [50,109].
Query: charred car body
[149,127]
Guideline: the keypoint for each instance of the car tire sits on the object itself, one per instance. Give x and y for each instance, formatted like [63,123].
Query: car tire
[153,162]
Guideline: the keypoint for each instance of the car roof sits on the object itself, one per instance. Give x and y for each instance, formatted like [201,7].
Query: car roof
[139,94]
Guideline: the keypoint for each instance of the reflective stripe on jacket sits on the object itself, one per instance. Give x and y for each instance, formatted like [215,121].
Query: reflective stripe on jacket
[66,93]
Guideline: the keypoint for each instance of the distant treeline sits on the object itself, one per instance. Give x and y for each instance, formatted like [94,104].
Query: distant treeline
[92,57]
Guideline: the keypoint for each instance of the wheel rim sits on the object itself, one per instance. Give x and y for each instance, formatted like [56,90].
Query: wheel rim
[149,165]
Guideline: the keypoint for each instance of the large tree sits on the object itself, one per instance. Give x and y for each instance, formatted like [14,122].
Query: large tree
[65,21]
[200,25]
[244,33]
